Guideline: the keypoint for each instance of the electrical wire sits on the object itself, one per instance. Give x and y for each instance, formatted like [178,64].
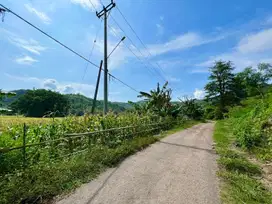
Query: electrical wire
[51,37]
[87,64]
[136,34]
[136,47]
[131,50]
[92,5]
[63,45]
[141,42]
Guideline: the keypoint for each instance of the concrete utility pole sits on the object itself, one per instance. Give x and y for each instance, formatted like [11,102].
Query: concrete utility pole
[97,85]
[99,15]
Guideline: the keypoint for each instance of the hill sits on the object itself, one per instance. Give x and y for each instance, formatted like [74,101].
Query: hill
[79,103]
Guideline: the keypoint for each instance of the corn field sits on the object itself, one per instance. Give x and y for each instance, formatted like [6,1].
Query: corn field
[23,145]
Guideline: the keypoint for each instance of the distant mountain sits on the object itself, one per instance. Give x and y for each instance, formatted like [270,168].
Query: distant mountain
[79,103]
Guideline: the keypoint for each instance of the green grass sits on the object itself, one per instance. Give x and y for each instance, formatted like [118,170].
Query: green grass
[44,181]
[240,177]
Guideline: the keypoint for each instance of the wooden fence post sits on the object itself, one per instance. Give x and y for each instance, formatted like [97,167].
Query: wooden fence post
[24,146]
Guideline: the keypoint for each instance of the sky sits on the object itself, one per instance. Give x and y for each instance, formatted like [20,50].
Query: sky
[180,40]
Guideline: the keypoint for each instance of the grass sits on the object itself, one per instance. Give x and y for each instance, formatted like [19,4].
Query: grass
[44,181]
[241,178]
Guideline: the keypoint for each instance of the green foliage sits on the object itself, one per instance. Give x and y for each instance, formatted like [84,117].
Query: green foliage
[191,109]
[158,100]
[53,130]
[40,102]
[221,86]
[240,176]
[79,105]
[44,181]
[252,125]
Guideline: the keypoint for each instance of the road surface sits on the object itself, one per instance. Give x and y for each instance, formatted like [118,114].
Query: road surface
[181,168]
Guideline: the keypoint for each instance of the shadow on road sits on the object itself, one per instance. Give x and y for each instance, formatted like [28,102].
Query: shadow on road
[102,186]
[191,147]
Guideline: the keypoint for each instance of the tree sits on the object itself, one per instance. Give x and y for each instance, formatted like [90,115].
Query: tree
[158,100]
[40,102]
[252,82]
[5,94]
[191,109]
[221,85]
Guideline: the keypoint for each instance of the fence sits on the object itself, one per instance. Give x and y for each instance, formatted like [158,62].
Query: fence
[20,157]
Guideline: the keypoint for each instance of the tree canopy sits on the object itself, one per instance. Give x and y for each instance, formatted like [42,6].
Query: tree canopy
[38,103]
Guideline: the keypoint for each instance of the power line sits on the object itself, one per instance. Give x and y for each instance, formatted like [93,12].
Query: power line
[92,4]
[140,40]
[57,41]
[124,83]
[136,46]
[131,50]
[86,67]
[133,30]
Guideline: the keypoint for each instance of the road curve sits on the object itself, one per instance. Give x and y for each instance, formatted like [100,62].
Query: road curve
[181,168]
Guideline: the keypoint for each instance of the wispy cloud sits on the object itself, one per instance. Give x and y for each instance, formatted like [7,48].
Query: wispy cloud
[160,29]
[26,60]
[182,42]
[31,45]
[87,4]
[115,31]
[257,42]
[249,51]
[173,79]
[41,15]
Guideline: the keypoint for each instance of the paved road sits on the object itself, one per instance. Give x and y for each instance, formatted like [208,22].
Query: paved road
[181,168]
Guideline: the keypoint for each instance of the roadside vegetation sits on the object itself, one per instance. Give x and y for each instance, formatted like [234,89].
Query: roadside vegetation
[66,146]
[244,137]
[43,157]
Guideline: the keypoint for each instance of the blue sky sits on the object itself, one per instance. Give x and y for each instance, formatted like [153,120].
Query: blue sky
[184,38]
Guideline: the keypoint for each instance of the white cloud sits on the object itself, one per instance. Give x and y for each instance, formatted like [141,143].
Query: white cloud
[268,21]
[182,42]
[203,70]
[53,84]
[26,60]
[87,4]
[173,79]
[118,57]
[160,29]
[199,94]
[29,45]
[258,42]
[115,31]
[41,15]
[50,84]
[250,50]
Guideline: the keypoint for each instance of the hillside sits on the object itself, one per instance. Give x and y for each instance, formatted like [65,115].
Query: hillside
[79,103]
